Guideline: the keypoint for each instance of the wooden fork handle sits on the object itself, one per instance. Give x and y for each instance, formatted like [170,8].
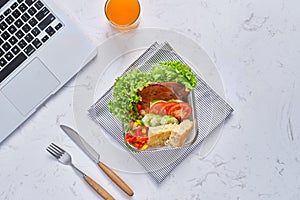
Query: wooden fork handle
[98,188]
[116,179]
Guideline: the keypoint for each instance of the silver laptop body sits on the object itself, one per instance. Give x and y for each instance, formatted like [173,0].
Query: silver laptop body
[40,50]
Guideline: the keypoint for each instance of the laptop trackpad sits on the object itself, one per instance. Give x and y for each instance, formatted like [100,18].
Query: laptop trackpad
[32,85]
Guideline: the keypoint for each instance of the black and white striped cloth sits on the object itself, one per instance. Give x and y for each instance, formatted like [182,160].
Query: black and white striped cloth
[211,111]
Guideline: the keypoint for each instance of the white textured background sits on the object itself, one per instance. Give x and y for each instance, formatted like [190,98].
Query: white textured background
[256,47]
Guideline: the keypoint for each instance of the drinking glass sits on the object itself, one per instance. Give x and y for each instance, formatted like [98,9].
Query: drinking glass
[123,15]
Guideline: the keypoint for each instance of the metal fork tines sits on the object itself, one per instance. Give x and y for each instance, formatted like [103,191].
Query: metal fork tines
[62,156]
[65,158]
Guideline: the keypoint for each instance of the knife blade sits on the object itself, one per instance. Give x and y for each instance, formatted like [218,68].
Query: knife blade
[90,151]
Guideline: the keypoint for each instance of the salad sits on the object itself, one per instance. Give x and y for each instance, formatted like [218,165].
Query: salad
[153,106]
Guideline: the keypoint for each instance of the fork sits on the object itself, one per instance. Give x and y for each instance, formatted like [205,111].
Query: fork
[65,158]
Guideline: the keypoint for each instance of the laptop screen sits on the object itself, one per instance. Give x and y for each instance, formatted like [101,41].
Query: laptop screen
[3,2]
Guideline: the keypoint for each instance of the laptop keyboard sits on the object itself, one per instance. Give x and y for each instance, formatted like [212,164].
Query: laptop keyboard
[24,27]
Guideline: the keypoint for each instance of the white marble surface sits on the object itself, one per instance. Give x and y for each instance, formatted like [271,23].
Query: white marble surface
[256,47]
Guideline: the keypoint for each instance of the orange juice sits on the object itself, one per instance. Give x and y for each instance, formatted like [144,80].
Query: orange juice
[123,14]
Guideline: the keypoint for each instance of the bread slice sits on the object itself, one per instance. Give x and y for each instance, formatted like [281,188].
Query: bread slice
[171,134]
[179,136]
[158,135]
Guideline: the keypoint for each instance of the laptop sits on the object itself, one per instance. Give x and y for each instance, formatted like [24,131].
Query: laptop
[40,50]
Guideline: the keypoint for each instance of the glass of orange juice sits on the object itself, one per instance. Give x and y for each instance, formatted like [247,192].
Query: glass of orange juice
[123,15]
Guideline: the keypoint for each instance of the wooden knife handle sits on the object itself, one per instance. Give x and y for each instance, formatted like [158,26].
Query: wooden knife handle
[100,190]
[116,179]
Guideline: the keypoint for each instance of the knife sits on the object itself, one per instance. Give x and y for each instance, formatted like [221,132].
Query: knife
[96,157]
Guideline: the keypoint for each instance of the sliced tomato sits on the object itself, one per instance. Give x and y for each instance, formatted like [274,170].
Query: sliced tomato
[155,101]
[168,106]
[157,108]
[160,102]
[180,111]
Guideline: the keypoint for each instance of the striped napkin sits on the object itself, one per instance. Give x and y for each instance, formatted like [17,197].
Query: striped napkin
[211,111]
